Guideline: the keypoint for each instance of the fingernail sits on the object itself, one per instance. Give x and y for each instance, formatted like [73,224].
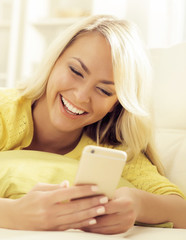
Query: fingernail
[103,200]
[94,188]
[65,184]
[92,222]
[101,210]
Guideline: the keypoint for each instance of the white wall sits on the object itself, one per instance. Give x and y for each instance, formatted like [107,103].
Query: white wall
[162,22]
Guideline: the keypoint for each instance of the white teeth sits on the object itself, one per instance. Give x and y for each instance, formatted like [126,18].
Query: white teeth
[71,108]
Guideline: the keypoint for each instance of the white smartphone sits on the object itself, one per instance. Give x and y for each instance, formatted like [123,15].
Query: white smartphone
[101,166]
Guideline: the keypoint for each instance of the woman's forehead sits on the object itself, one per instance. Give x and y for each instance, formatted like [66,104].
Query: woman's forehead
[92,51]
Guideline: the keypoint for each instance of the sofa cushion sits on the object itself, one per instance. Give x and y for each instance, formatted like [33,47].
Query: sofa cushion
[169,99]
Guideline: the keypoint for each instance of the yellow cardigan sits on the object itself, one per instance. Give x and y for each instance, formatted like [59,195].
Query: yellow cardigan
[20,169]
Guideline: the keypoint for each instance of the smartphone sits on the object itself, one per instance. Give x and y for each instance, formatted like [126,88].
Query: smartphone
[101,166]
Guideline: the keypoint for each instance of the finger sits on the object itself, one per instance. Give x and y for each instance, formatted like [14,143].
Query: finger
[79,205]
[80,216]
[78,225]
[65,184]
[117,220]
[115,206]
[46,187]
[107,220]
[64,194]
[114,229]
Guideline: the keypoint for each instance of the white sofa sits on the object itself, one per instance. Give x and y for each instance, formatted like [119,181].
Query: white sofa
[169,92]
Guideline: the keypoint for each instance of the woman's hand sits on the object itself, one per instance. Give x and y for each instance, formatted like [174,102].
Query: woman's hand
[130,205]
[120,215]
[57,207]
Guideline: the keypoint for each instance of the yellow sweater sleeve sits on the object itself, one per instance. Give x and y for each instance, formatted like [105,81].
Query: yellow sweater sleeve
[16,127]
[144,175]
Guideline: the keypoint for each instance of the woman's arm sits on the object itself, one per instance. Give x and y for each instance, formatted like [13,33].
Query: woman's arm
[49,207]
[161,208]
[130,205]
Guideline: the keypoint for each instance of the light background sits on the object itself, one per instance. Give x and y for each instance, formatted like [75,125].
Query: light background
[28,26]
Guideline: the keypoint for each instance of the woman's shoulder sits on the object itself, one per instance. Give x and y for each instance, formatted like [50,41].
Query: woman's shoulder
[11,96]
[8,95]
[15,119]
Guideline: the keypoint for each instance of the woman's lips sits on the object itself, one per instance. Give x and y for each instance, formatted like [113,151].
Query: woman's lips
[70,110]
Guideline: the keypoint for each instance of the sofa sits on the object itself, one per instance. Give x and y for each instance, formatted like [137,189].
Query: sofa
[169,95]
[169,99]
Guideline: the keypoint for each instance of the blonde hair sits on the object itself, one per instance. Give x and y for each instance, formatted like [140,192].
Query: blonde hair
[130,123]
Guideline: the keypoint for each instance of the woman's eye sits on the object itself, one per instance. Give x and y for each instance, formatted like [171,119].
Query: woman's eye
[105,92]
[76,72]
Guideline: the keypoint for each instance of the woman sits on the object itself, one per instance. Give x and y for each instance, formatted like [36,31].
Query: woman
[93,86]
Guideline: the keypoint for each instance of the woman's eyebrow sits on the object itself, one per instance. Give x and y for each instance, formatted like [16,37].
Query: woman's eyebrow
[82,65]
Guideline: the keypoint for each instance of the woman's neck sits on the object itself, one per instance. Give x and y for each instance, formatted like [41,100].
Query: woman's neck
[47,138]
[49,145]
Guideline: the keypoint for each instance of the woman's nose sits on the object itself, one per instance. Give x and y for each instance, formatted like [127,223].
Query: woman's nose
[82,94]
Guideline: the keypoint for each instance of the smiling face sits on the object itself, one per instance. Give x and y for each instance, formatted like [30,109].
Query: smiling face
[80,88]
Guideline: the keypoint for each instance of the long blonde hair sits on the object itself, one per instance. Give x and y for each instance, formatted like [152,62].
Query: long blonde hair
[130,123]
